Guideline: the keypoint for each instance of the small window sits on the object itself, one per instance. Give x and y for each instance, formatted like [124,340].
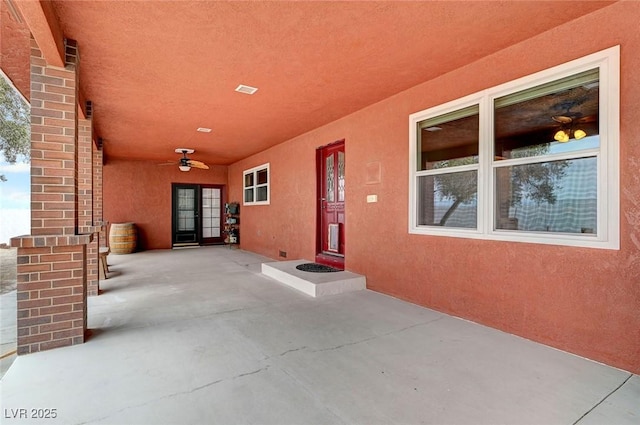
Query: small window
[256,185]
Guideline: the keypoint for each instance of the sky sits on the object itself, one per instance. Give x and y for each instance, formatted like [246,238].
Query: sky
[15,194]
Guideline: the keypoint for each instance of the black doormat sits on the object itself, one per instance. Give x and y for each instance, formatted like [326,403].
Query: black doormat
[316,268]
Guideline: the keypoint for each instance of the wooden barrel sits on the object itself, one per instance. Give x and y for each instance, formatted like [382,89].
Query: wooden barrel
[122,238]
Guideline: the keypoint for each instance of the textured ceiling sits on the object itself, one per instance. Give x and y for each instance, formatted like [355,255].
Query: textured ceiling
[156,71]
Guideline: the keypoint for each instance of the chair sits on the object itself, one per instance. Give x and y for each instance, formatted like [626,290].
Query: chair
[103,266]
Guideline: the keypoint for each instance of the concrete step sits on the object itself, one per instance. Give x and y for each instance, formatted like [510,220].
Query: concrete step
[313,284]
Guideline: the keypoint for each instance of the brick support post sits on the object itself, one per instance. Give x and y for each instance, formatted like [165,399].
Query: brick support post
[85,201]
[96,149]
[85,177]
[52,261]
[53,147]
[52,301]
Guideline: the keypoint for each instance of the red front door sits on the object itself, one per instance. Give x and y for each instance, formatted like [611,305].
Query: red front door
[331,188]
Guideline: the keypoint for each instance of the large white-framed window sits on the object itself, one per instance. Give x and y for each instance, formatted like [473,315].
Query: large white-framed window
[256,183]
[533,160]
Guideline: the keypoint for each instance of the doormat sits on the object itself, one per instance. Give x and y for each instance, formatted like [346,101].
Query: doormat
[316,268]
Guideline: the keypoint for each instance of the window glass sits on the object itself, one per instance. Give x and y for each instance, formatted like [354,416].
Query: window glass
[449,200]
[262,176]
[449,140]
[557,196]
[248,180]
[261,194]
[248,195]
[558,117]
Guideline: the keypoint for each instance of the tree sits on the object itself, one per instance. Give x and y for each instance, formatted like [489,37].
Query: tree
[457,187]
[537,182]
[15,126]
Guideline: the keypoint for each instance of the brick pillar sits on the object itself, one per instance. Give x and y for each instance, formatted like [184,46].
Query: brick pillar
[85,201]
[53,147]
[52,300]
[97,191]
[85,177]
[52,263]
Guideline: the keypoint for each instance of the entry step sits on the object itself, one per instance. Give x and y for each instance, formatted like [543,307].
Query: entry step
[311,283]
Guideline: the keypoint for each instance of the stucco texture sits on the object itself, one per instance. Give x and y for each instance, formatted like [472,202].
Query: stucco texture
[585,301]
[14,50]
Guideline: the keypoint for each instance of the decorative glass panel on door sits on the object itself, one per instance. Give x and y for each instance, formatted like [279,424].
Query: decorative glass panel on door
[340,176]
[330,180]
[186,215]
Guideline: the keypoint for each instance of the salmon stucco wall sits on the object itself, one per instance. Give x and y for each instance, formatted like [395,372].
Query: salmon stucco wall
[140,192]
[585,301]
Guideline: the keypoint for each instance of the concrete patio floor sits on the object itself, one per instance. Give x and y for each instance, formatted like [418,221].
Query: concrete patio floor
[199,336]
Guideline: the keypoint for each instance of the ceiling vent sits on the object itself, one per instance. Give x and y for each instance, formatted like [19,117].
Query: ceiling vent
[246,89]
[204,130]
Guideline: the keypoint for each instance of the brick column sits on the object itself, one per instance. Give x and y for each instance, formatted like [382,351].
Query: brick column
[85,200]
[85,177]
[52,263]
[53,147]
[96,148]
[52,300]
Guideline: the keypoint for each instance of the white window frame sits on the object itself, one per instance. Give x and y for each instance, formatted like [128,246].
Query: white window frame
[255,185]
[608,157]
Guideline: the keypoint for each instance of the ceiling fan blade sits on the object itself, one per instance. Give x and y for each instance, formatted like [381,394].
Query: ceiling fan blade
[169,163]
[198,164]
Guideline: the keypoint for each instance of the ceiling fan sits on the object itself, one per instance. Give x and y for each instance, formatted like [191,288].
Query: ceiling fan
[185,163]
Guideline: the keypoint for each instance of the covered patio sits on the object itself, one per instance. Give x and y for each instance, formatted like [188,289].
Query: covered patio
[490,320]
[201,336]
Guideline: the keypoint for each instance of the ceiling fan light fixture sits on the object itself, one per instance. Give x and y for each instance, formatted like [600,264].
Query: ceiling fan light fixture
[184,151]
[579,134]
[562,119]
[184,168]
[561,136]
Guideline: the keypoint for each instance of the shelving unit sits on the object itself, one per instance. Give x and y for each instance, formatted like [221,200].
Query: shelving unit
[231,223]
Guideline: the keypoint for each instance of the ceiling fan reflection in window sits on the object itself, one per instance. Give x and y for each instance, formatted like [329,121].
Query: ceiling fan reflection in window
[185,163]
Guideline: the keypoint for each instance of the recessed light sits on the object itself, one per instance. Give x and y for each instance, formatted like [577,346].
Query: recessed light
[246,89]
[204,130]
[433,128]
